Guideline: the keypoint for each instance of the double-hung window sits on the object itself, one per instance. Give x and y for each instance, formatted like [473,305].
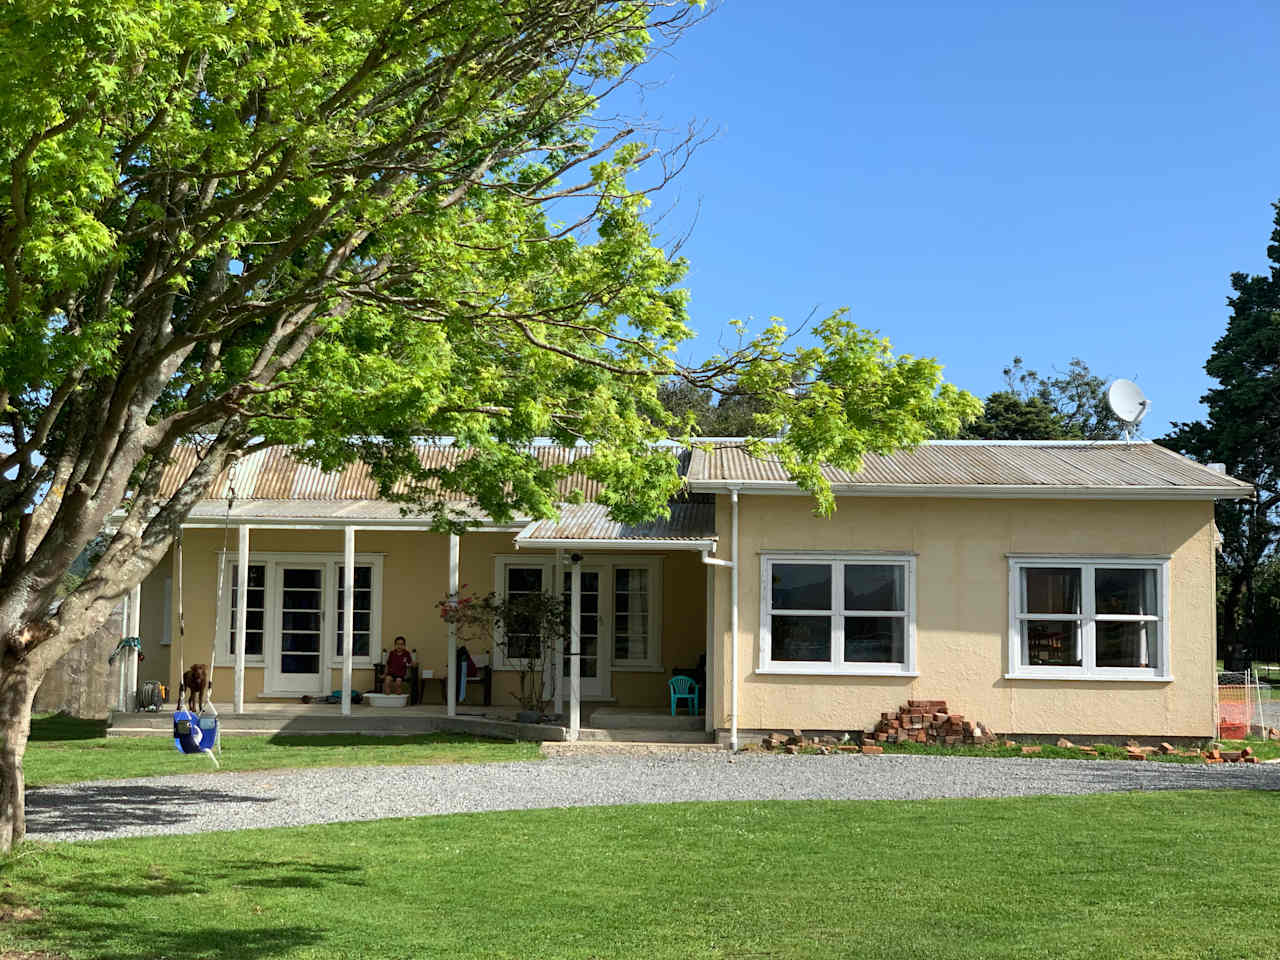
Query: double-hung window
[1088,617]
[841,614]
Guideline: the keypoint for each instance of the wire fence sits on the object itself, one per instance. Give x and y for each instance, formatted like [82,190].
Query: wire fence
[1237,707]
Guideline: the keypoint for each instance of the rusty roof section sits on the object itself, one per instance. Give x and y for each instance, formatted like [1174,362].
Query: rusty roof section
[691,520]
[273,474]
[1034,468]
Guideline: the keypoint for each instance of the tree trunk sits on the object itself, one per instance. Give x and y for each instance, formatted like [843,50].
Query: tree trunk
[1231,612]
[17,690]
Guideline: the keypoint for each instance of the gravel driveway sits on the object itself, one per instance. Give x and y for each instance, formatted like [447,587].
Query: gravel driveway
[198,803]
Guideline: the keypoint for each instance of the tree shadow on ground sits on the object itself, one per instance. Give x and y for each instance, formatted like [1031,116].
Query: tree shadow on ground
[106,807]
[122,940]
[60,726]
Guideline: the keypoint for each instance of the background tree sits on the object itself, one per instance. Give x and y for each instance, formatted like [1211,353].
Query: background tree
[326,225]
[711,414]
[1242,431]
[1070,405]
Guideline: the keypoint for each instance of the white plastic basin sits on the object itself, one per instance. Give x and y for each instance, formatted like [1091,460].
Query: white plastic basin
[387,699]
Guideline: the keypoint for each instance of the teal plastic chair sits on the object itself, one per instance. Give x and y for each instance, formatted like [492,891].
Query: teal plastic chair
[684,688]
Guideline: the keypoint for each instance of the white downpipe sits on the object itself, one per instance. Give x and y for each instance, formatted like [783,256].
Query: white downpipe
[242,604]
[348,613]
[451,671]
[733,627]
[575,649]
[708,724]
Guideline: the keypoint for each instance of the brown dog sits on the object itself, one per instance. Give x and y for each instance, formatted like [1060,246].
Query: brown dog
[196,682]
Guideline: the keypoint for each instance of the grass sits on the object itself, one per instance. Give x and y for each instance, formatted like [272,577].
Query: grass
[1143,875]
[63,749]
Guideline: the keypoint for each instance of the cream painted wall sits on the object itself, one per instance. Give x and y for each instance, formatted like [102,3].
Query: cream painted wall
[415,576]
[962,612]
[155,662]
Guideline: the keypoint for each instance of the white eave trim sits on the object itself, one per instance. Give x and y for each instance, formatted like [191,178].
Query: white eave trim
[614,544]
[978,491]
[337,523]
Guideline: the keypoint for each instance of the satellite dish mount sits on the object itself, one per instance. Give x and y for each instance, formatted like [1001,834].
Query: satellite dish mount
[1128,403]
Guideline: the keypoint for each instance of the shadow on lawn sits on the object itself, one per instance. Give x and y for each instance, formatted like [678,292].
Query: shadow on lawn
[102,808]
[124,941]
[60,726]
[172,904]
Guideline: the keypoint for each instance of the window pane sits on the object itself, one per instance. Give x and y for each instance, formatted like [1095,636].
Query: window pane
[874,640]
[301,579]
[524,580]
[300,642]
[630,619]
[874,587]
[256,597]
[252,643]
[801,638]
[1125,591]
[301,600]
[801,586]
[299,663]
[1052,643]
[1124,644]
[1050,590]
[299,620]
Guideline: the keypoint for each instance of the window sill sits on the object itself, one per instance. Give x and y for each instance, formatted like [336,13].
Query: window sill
[356,664]
[1089,676]
[818,671]
[230,662]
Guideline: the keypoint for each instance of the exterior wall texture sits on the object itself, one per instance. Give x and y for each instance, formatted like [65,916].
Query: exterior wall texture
[962,611]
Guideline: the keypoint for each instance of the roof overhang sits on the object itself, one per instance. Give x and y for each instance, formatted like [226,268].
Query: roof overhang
[980,491]
[620,543]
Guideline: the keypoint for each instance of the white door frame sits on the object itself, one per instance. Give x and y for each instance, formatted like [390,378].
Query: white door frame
[279,682]
[599,687]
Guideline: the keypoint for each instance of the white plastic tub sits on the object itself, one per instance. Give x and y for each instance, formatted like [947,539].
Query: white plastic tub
[387,699]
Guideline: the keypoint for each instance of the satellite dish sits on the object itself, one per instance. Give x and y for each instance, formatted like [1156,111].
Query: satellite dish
[1128,403]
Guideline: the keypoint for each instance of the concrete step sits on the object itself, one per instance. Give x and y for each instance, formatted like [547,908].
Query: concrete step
[621,718]
[609,748]
[637,735]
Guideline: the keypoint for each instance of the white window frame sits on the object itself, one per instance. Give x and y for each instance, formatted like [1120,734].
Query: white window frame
[274,561]
[554,570]
[1088,617]
[837,666]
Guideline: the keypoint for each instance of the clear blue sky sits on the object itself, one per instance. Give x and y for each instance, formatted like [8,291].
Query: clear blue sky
[979,181]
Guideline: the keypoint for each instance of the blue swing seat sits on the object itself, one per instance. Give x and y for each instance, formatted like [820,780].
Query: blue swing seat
[193,733]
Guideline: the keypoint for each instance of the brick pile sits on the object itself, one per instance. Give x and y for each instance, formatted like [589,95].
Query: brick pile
[1217,755]
[929,721]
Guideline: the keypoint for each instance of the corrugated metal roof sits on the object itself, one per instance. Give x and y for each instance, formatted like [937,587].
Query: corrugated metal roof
[273,474]
[689,520]
[303,511]
[1135,468]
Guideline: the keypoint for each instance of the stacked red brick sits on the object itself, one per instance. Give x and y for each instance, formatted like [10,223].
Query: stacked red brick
[929,721]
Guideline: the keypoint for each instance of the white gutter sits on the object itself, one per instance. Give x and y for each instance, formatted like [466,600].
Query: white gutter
[620,543]
[987,491]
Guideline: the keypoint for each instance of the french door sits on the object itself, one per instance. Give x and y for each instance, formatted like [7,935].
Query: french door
[297,664]
[595,672]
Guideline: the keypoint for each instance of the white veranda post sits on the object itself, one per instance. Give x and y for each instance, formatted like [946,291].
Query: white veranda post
[348,613]
[575,648]
[451,671]
[242,604]
[131,654]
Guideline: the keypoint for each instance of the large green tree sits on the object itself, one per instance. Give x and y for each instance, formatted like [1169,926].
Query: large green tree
[1242,431]
[331,225]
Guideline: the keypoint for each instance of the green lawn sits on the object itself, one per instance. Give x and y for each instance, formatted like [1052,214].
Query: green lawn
[1151,875]
[63,749]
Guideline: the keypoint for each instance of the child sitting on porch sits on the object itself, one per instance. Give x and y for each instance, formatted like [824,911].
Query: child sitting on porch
[398,661]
